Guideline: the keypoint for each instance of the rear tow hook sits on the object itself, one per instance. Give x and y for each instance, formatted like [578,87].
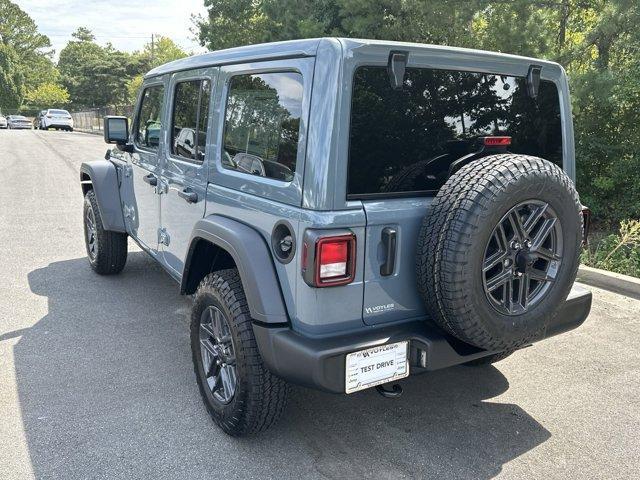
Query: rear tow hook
[395,392]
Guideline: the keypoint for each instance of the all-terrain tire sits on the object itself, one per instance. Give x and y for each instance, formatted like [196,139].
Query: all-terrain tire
[260,397]
[456,230]
[108,252]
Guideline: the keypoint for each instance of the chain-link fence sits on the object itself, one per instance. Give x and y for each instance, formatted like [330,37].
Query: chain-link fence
[91,120]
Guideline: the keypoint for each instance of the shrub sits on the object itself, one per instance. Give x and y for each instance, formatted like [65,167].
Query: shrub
[617,252]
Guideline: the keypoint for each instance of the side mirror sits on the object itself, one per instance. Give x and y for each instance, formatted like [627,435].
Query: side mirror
[116,130]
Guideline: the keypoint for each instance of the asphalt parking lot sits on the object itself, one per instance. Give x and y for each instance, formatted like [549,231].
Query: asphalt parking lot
[96,378]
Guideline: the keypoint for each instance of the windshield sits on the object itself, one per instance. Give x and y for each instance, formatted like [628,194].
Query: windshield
[403,141]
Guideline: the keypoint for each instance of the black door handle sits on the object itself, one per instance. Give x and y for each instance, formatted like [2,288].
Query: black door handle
[189,195]
[151,179]
[389,240]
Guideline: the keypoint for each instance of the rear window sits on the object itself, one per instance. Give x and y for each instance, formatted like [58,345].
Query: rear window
[402,142]
[58,112]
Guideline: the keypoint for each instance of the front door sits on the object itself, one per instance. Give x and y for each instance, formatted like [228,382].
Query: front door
[184,165]
[139,189]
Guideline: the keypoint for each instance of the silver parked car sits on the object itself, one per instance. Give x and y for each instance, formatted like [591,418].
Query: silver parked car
[18,121]
[3,122]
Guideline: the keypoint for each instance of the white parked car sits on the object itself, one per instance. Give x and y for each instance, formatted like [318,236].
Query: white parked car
[19,122]
[3,122]
[58,119]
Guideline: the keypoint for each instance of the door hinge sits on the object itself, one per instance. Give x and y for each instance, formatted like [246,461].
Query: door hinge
[163,237]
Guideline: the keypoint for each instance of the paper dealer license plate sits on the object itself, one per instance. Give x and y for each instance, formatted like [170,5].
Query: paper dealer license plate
[376,365]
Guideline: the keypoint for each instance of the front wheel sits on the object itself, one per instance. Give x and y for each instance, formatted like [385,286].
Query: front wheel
[107,250]
[240,393]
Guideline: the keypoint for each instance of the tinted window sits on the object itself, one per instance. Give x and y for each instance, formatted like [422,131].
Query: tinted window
[58,112]
[405,140]
[149,123]
[262,124]
[190,119]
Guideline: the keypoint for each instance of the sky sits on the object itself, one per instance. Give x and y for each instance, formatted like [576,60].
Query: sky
[127,24]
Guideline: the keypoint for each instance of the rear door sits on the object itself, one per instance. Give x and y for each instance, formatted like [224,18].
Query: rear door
[401,146]
[184,163]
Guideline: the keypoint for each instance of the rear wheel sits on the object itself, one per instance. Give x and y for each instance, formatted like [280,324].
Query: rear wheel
[241,395]
[107,250]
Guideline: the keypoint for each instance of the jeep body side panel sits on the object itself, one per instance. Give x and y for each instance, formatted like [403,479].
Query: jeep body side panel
[104,179]
[253,259]
[262,202]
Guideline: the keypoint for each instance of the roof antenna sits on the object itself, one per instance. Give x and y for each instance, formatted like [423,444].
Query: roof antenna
[396,67]
[533,80]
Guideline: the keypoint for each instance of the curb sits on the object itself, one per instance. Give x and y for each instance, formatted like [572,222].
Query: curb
[614,282]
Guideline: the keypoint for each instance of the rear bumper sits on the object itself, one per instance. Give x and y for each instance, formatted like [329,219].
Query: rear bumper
[21,127]
[59,123]
[320,362]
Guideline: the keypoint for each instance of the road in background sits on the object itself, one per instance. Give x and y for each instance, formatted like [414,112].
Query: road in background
[96,378]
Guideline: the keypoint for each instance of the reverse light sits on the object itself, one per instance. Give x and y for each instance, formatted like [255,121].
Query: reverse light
[496,141]
[328,258]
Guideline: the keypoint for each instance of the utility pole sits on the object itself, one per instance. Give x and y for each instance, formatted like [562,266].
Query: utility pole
[152,50]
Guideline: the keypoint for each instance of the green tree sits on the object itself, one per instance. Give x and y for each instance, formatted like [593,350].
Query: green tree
[11,80]
[47,95]
[161,51]
[95,76]
[33,49]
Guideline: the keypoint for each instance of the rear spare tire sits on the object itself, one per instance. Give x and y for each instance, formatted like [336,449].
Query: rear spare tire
[498,250]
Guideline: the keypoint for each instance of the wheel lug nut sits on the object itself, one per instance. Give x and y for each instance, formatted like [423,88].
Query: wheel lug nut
[527,243]
[518,274]
[515,245]
[507,262]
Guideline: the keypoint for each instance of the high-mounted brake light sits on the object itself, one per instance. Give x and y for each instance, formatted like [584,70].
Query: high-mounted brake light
[496,141]
[328,260]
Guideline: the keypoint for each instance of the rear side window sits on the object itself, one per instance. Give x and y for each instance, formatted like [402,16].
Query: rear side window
[402,142]
[262,124]
[190,118]
[149,122]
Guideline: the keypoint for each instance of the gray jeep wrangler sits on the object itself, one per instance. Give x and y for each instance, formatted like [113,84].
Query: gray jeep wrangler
[346,212]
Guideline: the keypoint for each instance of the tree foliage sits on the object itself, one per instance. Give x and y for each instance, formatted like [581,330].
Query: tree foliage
[597,41]
[47,95]
[33,49]
[96,76]
[11,80]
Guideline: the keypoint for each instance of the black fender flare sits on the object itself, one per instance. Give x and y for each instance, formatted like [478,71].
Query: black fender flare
[104,181]
[253,260]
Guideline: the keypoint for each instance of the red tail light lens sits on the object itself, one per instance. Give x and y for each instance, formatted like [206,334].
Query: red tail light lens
[497,141]
[329,260]
[334,256]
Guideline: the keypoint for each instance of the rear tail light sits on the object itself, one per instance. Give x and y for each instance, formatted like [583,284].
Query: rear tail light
[328,259]
[496,141]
